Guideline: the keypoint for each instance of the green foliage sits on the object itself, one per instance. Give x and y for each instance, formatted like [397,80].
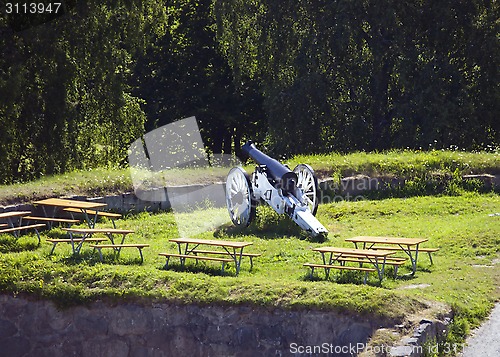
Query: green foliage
[350,75]
[64,98]
[182,74]
[403,163]
[298,76]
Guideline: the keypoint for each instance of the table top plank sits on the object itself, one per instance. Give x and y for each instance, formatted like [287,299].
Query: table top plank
[355,252]
[12,214]
[387,240]
[214,242]
[66,203]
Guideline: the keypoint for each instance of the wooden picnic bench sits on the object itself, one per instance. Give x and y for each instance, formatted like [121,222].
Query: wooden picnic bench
[332,255]
[231,251]
[14,223]
[429,251]
[219,252]
[112,216]
[16,230]
[183,258]
[118,247]
[87,233]
[13,218]
[410,246]
[83,207]
[50,221]
[55,241]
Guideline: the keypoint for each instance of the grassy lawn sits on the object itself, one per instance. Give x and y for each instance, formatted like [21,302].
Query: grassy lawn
[459,220]
[465,273]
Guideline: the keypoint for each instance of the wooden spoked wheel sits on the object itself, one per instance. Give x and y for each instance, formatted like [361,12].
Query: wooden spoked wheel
[239,197]
[308,183]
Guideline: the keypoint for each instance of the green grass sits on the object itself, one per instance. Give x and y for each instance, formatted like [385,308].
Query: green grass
[404,163]
[94,182]
[464,274]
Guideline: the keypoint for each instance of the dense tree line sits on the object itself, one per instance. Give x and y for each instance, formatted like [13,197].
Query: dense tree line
[299,76]
[65,101]
[369,74]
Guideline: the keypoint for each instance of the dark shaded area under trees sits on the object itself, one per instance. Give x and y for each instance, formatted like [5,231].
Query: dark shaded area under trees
[297,76]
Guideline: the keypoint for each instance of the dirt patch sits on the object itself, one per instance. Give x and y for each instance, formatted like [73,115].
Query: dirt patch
[415,286]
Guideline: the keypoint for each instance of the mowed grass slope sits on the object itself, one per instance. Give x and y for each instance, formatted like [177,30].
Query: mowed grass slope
[465,273]
[401,163]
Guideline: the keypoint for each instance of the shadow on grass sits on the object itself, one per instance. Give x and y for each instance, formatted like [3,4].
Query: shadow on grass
[91,258]
[200,267]
[11,244]
[112,259]
[269,225]
[87,257]
[344,277]
[56,233]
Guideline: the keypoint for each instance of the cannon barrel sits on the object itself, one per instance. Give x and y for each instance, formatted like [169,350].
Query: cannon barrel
[280,175]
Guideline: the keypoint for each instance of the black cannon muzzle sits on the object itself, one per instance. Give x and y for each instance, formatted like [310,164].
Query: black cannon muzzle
[279,175]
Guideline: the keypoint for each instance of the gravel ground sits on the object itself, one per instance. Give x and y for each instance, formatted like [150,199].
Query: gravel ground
[485,341]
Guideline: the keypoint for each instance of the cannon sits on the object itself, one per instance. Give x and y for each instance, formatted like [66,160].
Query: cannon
[294,193]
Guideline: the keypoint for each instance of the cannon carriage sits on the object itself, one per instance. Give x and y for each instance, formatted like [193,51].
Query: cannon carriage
[294,193]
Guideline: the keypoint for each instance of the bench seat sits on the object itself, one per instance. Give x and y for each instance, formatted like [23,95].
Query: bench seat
[339,267]
[250,255]
[429,251]
[117,248]
[52,220]
[21,228]
[91,212]
[183,258]
[109,232]
[16,230]
[342,267]
[99,213]
[55,241]
[99,230]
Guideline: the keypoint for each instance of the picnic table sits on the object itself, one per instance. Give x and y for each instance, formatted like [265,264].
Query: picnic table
[84,207]
[407,245]
[14,223]
[231,251]
[81,235]
[332,255]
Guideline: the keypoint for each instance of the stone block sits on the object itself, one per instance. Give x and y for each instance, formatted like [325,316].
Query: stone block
[401,351]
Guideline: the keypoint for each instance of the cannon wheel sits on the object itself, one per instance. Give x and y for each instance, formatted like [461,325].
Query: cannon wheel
[239,197]
[308,183]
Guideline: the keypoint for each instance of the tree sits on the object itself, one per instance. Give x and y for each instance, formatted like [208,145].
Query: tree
[351,75]
[65,102]
[183,74]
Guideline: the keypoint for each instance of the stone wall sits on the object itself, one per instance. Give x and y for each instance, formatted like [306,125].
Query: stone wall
[37,328]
